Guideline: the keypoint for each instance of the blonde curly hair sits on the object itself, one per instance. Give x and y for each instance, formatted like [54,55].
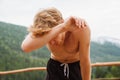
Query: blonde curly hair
[44,21]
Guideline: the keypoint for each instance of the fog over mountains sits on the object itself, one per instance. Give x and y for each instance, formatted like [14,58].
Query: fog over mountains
[104,39]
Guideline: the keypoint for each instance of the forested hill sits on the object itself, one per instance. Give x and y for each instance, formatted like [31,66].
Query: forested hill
[11,37]
[12,57]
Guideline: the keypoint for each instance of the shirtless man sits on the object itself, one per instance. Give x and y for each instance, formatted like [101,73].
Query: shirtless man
[69,43]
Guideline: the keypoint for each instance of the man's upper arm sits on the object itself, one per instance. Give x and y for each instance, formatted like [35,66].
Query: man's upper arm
[84,42]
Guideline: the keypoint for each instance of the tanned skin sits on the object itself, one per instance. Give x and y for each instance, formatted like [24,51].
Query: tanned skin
[68,42]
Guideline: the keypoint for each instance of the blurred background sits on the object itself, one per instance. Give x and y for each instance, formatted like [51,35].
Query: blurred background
[103,17]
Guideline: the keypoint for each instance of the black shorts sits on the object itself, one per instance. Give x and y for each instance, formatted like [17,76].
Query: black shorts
[61,71]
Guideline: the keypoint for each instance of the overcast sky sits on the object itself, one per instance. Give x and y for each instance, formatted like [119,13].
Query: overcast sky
[103,16]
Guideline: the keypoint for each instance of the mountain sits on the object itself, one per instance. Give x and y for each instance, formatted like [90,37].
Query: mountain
[12,57]
[107,48]
[11,36]
[112,40]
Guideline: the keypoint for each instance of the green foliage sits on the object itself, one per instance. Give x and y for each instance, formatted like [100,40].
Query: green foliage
[106,52]
[12,57]
[106,72]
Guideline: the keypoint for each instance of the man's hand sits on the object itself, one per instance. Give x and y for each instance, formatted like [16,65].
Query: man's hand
[79,22]
[73,23]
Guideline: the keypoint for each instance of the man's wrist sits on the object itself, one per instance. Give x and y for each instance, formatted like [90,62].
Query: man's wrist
[63,26]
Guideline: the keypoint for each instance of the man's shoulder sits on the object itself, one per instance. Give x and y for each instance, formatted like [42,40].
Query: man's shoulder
[83,35]
[82,32]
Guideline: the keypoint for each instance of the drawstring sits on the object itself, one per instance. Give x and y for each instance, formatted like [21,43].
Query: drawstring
[66,69]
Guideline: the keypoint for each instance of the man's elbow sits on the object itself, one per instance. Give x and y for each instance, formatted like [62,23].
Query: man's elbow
[25,49]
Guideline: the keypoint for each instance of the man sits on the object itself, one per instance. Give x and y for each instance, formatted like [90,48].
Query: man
[69,43]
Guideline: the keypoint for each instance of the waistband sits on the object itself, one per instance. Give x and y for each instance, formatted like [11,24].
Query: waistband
[65,65]
[58,62]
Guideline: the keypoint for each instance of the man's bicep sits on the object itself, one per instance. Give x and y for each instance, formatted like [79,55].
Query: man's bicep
[84,49]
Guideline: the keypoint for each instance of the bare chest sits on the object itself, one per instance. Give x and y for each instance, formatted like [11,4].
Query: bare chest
[70,46]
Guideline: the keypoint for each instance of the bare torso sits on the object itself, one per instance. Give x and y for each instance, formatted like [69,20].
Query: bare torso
[67,51]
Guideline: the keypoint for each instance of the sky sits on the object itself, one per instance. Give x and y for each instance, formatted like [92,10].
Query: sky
[103,16]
